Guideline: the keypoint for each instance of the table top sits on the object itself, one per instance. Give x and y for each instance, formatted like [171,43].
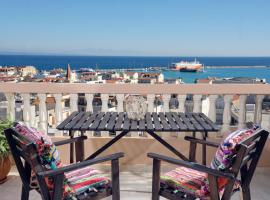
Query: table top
[114,121]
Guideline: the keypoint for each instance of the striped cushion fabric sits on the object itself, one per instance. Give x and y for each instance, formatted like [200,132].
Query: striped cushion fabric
[81,182]
[190,182]
[186,180]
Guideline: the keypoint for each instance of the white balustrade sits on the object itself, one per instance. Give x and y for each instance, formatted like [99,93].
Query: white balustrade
[104,100]
[181,102]
[227,115]
[242,111]
[197,106]
[58,109]
[150,101]
[212,114]
[258,109]
[166,102]
[42,113]
[151,91]
[120,102]
[26,108]
[11,106]
[104,108]
[89,102]
[73,102]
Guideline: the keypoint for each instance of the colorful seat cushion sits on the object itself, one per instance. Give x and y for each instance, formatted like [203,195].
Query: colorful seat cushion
[190,182]
[186,180]
[83,181]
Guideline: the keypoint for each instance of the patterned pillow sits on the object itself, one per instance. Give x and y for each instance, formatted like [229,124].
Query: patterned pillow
[223,159]
[47,151]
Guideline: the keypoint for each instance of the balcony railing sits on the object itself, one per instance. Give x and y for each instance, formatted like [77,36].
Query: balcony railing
[210,92]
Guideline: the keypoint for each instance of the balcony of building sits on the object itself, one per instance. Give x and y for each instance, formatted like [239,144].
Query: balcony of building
[45,105]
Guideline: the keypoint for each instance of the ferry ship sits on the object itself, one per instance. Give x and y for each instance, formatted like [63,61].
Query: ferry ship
[185,66]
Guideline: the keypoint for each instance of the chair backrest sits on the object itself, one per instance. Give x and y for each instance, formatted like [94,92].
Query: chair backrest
[248,154]
[22,148]
[246,159]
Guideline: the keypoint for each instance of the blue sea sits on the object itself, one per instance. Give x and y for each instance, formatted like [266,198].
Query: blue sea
[43,62]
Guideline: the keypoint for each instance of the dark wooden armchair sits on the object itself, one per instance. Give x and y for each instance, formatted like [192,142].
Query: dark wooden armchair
[245,162]
[24,150]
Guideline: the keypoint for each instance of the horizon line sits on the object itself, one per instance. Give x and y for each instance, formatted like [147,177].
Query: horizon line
[83,55]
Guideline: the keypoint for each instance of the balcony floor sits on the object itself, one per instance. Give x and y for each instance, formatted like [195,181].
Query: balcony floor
[137,186]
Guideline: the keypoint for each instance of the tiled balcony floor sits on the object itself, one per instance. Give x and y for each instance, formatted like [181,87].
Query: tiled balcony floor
[137,186]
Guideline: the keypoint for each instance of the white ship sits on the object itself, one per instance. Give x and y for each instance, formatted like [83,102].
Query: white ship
[185,66]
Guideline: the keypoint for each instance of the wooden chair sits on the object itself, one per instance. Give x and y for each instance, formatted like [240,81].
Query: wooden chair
[24,150]
[245,162]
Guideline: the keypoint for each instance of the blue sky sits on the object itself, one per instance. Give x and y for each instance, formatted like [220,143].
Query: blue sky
[136,27]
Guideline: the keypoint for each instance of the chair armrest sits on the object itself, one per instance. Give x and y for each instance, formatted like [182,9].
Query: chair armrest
[196,140]
[68,141]
[192,165]
[82,164]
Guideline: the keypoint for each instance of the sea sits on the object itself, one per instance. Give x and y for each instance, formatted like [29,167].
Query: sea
[257,67]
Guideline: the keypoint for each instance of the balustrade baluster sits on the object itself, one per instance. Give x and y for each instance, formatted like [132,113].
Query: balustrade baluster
[197,106]
[11,106]
[26,108]
[58,110]
[104,108]
[258,109]
[166,102]
[181,103]
[150,101]
[212,114]
[73,102]
[227,115]
[89,99]
[120,102]
[43,119]
[242,111]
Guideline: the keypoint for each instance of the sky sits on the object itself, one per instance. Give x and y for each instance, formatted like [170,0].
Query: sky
[136,27]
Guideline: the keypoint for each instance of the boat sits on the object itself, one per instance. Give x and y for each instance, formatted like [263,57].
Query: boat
[185,66]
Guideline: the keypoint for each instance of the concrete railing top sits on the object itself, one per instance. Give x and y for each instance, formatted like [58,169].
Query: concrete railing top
[54,88]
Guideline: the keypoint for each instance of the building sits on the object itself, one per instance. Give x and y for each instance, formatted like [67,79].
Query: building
[27,71]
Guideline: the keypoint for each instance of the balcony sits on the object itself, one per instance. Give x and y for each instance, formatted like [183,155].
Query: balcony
[45,105]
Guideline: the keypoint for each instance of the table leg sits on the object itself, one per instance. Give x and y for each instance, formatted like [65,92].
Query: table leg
[167,145]
[204,149]
[71,135]
[193,149]
[107,145]
[79,146]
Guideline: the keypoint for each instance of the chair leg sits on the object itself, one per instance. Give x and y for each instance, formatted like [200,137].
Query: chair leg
[156,180]
[246,193]
[25,193]
[115,180]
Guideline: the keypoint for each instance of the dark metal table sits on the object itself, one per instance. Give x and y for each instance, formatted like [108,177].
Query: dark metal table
[152,123]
